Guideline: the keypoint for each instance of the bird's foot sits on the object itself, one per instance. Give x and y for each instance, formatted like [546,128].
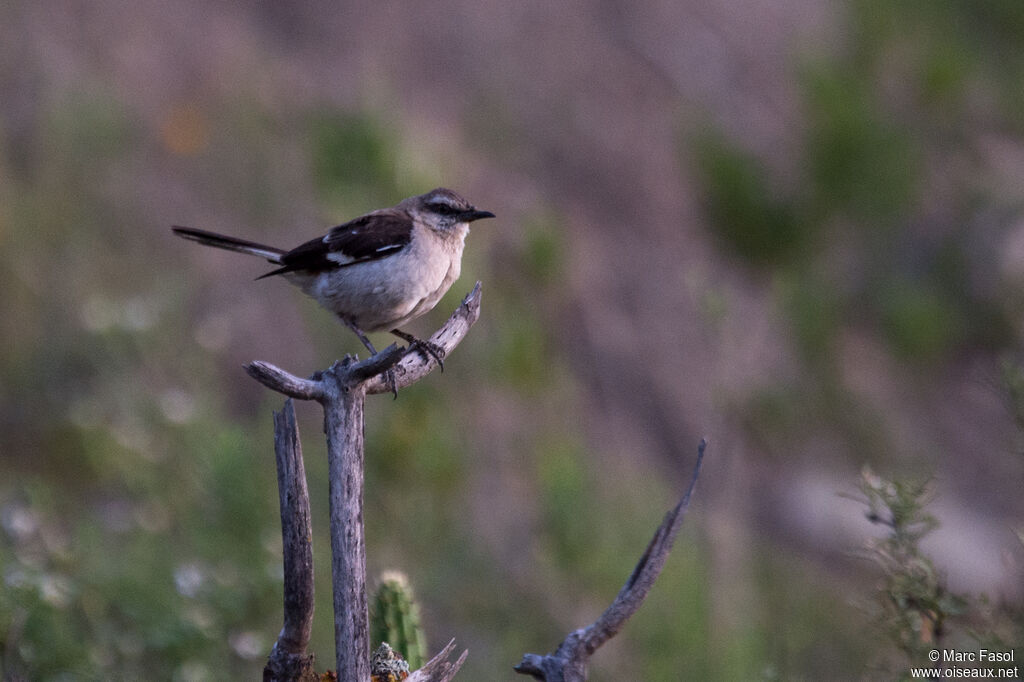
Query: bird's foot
[429,350]
[426,348]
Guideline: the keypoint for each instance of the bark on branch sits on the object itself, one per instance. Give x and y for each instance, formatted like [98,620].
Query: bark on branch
[439,668]
[288,659]
[568,663]
[342,390]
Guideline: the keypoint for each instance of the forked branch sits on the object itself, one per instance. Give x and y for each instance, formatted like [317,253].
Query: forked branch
[342,390]
[409,365]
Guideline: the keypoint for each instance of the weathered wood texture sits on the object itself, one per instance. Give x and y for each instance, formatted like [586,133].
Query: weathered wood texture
[288,660]
[342,390]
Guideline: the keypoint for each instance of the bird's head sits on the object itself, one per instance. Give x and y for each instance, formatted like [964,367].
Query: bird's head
[442,209]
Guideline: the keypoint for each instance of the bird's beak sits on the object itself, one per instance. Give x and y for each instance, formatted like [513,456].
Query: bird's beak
[470,216]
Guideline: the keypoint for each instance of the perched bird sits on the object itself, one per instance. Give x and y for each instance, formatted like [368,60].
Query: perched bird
[379,271]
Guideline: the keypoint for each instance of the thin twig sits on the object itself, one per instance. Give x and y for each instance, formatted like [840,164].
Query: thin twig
[569,661]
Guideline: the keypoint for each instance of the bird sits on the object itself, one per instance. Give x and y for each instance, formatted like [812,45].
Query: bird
[376,272]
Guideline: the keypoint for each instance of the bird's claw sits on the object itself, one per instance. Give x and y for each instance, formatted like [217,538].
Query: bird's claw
[429,350]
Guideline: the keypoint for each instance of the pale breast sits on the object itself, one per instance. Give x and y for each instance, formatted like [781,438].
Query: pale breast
[387,293]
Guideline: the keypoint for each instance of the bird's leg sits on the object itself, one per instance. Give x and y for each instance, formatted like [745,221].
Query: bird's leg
[390,374]
[359,332]
[426,347]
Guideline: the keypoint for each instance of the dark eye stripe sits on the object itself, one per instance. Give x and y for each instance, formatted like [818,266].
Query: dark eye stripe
[443,209]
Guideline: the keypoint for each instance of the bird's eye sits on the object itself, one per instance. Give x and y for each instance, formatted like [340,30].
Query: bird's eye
[443,209]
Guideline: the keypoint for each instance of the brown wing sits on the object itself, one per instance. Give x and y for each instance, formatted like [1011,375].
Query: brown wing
[369,237]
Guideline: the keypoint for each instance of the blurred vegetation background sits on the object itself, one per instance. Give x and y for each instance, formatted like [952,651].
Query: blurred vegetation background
[796,228]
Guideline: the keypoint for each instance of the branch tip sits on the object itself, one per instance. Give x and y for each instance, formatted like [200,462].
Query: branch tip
[569,661]
[439,668]
[277,379]
[414,366]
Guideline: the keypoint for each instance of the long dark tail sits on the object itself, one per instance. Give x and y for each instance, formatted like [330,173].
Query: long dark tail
[221,241]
